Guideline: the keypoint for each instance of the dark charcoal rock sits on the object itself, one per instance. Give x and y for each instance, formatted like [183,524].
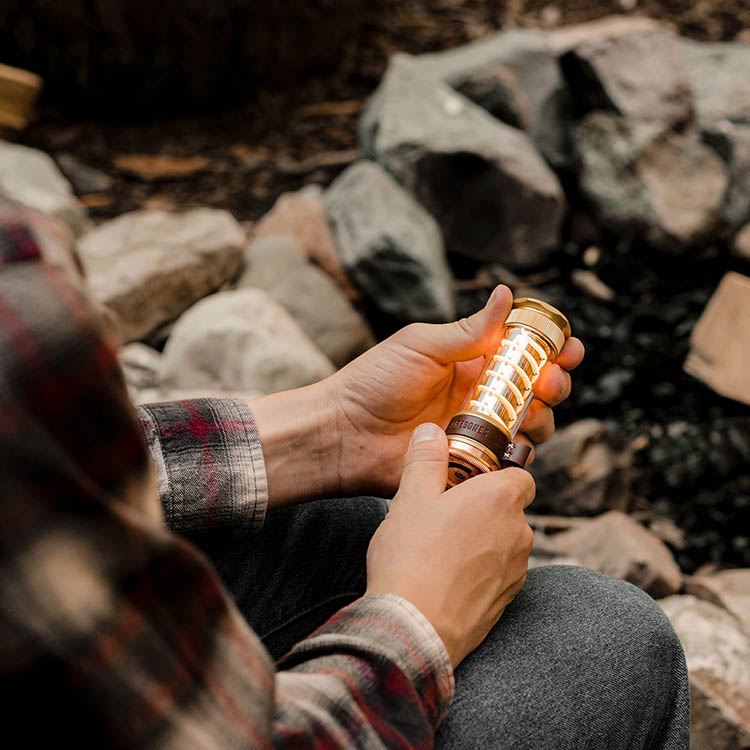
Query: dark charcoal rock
[584,469]
[665,187]
[389,245]
[491,192]
[718,73]
[640,76]
[514,76]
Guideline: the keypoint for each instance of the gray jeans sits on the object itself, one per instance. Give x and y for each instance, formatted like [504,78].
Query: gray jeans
[577,661]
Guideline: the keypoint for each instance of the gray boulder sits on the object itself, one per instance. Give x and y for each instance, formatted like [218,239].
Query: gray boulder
[719,76]
[638,75]
[667,187]
[513,75]
[278,265]
[618,546]
[566,38]
[494,196]
[269,259]
[150,266]
[240,341]
[31,177]
[389,245]
[583,469]
[302,215]
[717,651]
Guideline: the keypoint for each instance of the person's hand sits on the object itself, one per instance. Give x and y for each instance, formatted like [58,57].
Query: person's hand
[459,556]
[423,373]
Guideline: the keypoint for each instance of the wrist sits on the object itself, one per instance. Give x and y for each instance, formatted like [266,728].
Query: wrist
[300,444]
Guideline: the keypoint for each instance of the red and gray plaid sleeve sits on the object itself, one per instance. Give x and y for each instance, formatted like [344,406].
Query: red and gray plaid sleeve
[209,464]
[115,632]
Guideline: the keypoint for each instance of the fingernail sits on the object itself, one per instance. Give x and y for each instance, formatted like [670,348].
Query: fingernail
[426,431]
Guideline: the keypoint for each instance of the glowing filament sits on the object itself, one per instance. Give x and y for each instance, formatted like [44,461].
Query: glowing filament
[507,387]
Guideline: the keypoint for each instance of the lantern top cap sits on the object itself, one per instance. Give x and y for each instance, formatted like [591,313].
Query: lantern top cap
[543,318]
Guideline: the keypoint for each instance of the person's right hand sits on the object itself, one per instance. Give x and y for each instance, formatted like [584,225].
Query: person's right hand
[460,556]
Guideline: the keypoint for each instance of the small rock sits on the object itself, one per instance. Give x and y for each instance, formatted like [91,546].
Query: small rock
[495,198]
[718,73]
[639,76]
[720,341]
[732,143]
[741,245]
[303,216]
[389,245]
[717,652]
[591,255]
[32,178]
[665,187]
[150,266]
[618,546]
[240,341]
[84,179]
[589,283]
[140,364]
[583,469]
[515,77]
[729,589]
[278,265]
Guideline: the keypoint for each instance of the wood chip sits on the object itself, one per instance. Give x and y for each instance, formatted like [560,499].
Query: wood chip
[331,109]
[19,90]
[97,200]
[589,283]
[152,167]
[720,341]
[326,159]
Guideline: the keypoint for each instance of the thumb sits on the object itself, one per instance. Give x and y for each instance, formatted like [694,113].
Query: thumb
[467,338]
[425,463]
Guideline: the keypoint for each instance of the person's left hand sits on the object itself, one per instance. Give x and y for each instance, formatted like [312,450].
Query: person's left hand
[423,373]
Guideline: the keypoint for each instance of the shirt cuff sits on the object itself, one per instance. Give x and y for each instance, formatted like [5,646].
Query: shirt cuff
[387,627]
[208,463]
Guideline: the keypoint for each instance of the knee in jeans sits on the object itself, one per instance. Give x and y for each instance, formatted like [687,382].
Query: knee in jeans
[631,616]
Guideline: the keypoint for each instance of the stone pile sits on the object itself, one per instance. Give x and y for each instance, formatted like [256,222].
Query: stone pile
[465,154]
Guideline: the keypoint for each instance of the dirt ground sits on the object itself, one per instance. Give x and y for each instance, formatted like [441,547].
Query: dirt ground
[304,133]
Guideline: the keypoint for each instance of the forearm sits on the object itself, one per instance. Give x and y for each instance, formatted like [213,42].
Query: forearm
[301,444]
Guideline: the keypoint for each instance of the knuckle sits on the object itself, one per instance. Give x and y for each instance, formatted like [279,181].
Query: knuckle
[523,481]
[464,326]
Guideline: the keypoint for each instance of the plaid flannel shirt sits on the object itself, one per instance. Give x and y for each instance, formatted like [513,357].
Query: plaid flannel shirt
[114,630]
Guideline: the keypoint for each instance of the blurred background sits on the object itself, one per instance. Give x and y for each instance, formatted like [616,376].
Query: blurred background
[335,169]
